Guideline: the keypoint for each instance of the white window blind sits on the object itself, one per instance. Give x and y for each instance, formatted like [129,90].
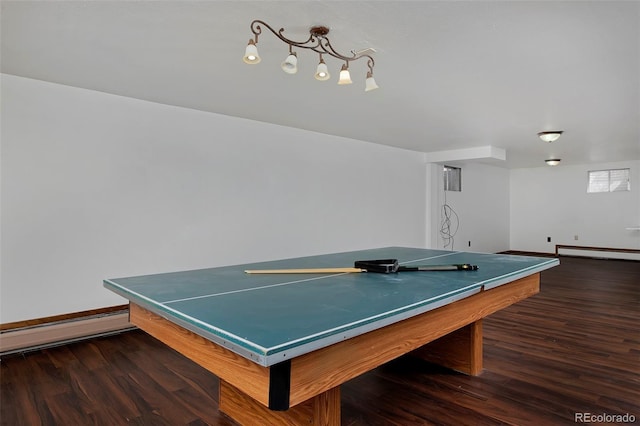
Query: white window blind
[619,180]
[609,180]
[452,178]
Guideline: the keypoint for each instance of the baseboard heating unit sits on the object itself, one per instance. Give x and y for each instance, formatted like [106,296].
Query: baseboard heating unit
[48,334]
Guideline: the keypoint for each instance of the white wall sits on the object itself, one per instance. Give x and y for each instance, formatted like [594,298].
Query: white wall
[482,208]
[553,202]
[98,186]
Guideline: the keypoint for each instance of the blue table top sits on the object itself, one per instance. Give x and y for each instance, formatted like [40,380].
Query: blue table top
[273,317]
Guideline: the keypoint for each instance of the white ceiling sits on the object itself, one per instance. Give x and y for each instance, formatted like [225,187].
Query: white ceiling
[452,74]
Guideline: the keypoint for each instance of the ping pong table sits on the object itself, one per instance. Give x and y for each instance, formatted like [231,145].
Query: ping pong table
[282,345]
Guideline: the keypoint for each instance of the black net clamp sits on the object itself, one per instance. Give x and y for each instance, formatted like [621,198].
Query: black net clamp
[381,266]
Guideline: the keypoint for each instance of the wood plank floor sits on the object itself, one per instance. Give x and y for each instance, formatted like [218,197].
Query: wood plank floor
[573,348]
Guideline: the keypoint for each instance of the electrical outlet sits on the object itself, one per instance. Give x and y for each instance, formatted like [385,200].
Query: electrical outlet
[548,239]
[575,237]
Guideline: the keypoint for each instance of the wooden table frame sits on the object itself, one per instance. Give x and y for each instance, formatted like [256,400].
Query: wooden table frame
[306,389]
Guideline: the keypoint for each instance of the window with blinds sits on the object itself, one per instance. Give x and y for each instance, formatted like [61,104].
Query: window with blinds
[452,178]
[609,180]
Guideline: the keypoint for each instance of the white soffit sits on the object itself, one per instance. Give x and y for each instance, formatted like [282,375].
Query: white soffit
[467,154]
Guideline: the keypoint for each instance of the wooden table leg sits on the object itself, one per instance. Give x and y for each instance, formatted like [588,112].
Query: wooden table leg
[460,350]
[321,410]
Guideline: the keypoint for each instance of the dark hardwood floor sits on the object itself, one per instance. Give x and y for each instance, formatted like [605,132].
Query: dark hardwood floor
[573,348]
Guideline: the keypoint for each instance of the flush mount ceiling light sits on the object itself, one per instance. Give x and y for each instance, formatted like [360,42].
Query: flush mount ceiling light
[319,43]
[549,136]
[552,161]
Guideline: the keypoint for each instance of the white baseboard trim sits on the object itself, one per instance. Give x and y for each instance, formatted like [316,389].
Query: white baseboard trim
[29,338]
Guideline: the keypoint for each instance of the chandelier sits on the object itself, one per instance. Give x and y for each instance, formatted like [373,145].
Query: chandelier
[319,43]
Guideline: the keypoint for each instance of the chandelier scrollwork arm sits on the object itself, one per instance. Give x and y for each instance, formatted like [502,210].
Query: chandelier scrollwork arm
[257,30]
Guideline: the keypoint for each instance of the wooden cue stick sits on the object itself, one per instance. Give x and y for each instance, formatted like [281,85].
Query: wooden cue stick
[305,271]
